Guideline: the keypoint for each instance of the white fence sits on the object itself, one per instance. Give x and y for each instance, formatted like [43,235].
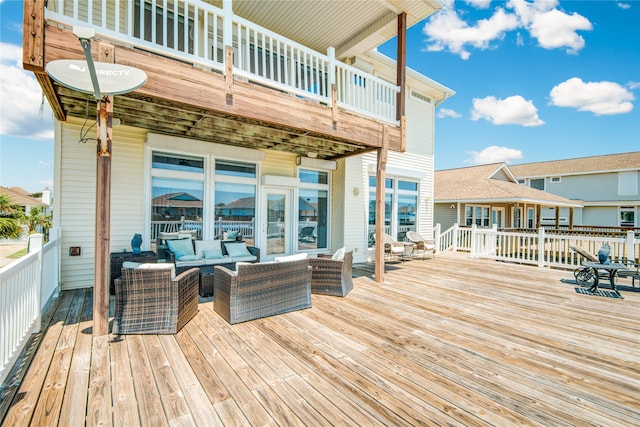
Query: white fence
[27,286]
[260,55]
[536,247]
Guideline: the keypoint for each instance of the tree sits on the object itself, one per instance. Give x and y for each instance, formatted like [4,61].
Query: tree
[9,218]
[36,218]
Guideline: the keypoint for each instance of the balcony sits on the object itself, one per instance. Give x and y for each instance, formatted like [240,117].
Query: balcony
[215,76]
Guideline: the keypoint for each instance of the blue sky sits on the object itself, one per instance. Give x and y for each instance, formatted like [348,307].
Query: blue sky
[534,82]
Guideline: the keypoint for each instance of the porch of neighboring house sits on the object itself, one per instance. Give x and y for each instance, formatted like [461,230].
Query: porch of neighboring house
[449,340]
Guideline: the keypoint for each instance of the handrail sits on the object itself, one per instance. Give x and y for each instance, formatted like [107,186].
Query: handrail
[260,55]
[27,286]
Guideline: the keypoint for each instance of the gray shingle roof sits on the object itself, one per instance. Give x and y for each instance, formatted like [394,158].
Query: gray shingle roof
[489,183]
[582,165]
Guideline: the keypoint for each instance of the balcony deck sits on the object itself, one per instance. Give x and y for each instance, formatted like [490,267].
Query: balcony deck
[449,340]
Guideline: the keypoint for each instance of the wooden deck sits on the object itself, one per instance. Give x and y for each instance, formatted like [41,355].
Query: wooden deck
[448,341]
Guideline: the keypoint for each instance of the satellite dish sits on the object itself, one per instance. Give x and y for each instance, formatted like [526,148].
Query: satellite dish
[113,79]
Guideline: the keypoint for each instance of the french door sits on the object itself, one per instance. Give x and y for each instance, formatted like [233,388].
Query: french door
[277,226]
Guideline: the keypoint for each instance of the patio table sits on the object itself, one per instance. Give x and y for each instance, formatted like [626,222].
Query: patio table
[612,268]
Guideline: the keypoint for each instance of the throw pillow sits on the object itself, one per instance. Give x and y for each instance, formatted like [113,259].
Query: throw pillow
[296,257]
[130,264]
[181,247]
[207,245]
[212,253]
[230,235]
[237,249]
[339,255]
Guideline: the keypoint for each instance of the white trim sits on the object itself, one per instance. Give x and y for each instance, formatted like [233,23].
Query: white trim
[280,181]
[555,179]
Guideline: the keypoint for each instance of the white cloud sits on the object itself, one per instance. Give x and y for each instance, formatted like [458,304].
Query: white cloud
[624,5]
[514,110]
[448,112]
[447,31]
[599,98]
[480,4]
[633,85]
[21,99]
[493,154]
[551,27]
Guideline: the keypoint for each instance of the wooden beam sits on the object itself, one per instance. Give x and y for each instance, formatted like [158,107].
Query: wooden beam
[381,176]
[228,73]
[33,35]
[401,70]
[557,217]
[103,206]
[570,218]
[538,210]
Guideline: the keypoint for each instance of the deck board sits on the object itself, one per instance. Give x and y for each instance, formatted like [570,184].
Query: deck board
[443,341]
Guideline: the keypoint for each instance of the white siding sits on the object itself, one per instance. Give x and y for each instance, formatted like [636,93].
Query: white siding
[75,200]
[419,127]
[279,164]
[355,207]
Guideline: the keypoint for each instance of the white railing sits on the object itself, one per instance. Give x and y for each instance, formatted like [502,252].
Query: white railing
[260,55]
[27,286]
[536,247]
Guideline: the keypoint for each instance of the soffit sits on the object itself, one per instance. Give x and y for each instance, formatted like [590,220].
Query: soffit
[351,26]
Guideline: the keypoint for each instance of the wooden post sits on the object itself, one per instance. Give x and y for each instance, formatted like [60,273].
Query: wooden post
[538,211]
[103,219]
[557,217]
[381,176]
[570,218]
[401,78]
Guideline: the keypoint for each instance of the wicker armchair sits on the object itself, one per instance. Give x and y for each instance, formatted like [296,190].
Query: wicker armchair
[148,301]
[393,249]
[262,289]
[331,276]
[421,245]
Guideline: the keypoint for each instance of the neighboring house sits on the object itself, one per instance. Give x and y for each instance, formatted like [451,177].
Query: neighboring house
[22,198]
[608,186]
[490,194]
[250,107]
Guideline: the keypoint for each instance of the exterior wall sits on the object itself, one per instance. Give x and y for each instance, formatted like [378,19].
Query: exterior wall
[355,206]
[601,216]
[279,163]
[74,209]
[444,215]
[590,188]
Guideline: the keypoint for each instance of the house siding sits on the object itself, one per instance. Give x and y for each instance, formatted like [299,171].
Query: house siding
[279,163]
[74,204]
[588,188]
[355,207]
[419,116]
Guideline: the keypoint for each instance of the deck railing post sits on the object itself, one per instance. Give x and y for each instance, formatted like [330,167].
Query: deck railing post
[474,239]
[630,247]
[454,239]
[35,244]
[437,232]
[541,245]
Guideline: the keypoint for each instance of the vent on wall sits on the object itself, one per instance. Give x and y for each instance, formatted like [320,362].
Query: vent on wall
[420,97]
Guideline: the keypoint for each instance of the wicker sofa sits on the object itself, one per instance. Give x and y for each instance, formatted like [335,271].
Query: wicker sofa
[261,289]
[150,301]
[228,253]
[332,276]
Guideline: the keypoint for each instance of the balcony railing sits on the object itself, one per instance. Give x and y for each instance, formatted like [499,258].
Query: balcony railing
[196,32]
[27,286]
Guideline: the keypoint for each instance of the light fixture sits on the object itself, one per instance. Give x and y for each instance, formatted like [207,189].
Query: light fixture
[312,154]
[452,206]
[356,191]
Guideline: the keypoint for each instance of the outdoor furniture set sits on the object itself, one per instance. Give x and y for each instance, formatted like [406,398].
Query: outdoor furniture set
[416,246]
[152,299]
[594,269]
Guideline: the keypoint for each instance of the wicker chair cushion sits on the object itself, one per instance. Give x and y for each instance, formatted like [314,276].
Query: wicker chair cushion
[212,254]
[339,255]
[207,245]
[295,257]
[181,247]
[237,249]
[151,266]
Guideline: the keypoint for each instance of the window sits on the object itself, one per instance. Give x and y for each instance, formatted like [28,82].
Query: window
[401,208]
[478,215]
[531,218]
[177,191]
[235,199]
[627,216]
[313,210]
[555,179]
[538,184]
[522,181]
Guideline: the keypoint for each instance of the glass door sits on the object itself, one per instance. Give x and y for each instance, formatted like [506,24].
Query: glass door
[277,222]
